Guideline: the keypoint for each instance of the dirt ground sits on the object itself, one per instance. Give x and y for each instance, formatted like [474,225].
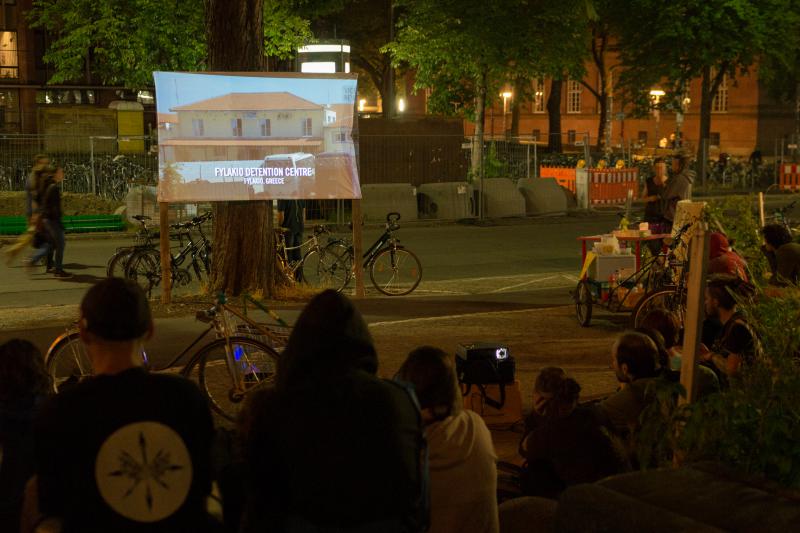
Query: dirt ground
[536,338]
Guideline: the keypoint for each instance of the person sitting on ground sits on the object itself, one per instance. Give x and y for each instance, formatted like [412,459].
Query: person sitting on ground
[24,385]
[462,460]
[546,386]
[124,450]
[783,255]
[670,358]
[634,357]
[723,260]
[332,445]
[737,343]
[570,446]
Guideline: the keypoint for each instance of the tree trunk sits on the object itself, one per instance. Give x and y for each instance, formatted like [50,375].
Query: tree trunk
[243,258]
[601,127]
[387,92]
[554,117]
[516,105]
[480,117]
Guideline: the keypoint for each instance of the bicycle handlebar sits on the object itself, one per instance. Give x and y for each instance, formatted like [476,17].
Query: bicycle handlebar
[392,217]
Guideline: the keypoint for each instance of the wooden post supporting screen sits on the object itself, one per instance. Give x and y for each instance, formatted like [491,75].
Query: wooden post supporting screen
[166,277]
[695,311]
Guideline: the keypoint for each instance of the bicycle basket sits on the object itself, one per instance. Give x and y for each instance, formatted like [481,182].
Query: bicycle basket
[273,335]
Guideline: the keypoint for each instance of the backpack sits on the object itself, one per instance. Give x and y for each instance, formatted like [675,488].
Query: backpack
[482,364]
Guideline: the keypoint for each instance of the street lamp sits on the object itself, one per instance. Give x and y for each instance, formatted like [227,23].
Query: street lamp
[655,96]
[506,95]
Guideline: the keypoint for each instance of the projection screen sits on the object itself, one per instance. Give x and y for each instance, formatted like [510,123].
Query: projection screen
[227,137]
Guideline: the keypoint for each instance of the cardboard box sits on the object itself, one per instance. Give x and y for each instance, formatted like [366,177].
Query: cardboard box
[511,411]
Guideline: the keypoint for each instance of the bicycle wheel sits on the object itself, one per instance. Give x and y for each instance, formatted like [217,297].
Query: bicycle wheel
[395,271]
[67,361]
[583,303]
[255,365]
[115,268]
[144,267]
[661,299]
[327,268]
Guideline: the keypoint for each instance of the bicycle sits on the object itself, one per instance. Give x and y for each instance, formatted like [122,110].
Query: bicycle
[393,269]
[144,265]
[144,238]
[322,267]
[242,358]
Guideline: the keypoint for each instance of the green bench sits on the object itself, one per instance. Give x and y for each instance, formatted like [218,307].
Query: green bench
[72,224]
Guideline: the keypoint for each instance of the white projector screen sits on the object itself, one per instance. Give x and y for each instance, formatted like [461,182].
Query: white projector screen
[226,137]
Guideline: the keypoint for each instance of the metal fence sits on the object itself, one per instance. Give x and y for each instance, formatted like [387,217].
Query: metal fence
[106,166]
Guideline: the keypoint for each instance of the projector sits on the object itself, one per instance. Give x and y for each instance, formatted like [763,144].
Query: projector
[483,363]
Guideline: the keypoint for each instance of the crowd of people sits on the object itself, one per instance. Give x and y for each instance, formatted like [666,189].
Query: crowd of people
[330,447]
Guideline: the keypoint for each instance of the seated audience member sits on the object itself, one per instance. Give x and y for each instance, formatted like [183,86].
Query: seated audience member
[670,362]
[332,446]
[544,388]
[634,357]
[722,259]
[783,254]
[124,450]
[736,344]
[463,473]
[24,385]
[569,446]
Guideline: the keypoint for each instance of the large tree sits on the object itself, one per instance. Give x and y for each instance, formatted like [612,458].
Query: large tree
[243,240]
[465,50]
[671,43]
[369,26]
[120,42]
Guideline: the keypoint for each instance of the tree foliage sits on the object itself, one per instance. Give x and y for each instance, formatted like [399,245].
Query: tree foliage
[671,43]
[124,41]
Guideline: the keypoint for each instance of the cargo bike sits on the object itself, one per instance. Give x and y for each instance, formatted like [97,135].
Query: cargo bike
[625,283]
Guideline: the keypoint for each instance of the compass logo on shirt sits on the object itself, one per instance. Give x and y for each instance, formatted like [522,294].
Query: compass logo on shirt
[143,471]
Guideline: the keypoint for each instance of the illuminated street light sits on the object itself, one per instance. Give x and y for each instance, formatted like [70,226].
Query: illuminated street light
[401,105]
[361,104]
[506,95]
[655,96]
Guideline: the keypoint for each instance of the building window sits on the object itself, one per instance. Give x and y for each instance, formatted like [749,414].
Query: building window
[643,138]
[713,139]
[236,127]
[573,96]
[720,103]
[536,134]
[65,96]
[9,61]
[266,127]
[340,136]
[9,110]
[305,125]
[570,136]
[537,105]
[197,127]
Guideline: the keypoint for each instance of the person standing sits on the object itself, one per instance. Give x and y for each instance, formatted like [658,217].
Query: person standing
[679,185]
[291,217]
[49,201]
[653,197]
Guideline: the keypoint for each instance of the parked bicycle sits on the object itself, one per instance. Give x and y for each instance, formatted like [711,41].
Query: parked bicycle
[241,358]
[144,238]
[322,267]
[144,265]
[393,269]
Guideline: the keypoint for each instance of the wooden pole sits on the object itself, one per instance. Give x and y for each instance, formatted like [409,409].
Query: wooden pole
[761,208]
[166,273]
[695,311]
[358,247]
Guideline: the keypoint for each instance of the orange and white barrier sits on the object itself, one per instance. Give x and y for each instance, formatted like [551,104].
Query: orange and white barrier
[564,176]
[790,178]
[610,186]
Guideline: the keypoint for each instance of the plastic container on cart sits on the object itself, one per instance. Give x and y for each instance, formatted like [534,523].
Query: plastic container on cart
[605,265]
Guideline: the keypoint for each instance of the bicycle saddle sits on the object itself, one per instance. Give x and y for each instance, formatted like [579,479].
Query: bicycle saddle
[140,218]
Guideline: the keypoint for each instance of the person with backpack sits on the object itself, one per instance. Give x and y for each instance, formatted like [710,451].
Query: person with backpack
[331,446]
[463,471]
[291,217]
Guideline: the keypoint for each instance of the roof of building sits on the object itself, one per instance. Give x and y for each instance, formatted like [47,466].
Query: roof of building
[250,102]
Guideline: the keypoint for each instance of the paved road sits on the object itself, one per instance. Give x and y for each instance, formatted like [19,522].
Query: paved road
[521,256]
